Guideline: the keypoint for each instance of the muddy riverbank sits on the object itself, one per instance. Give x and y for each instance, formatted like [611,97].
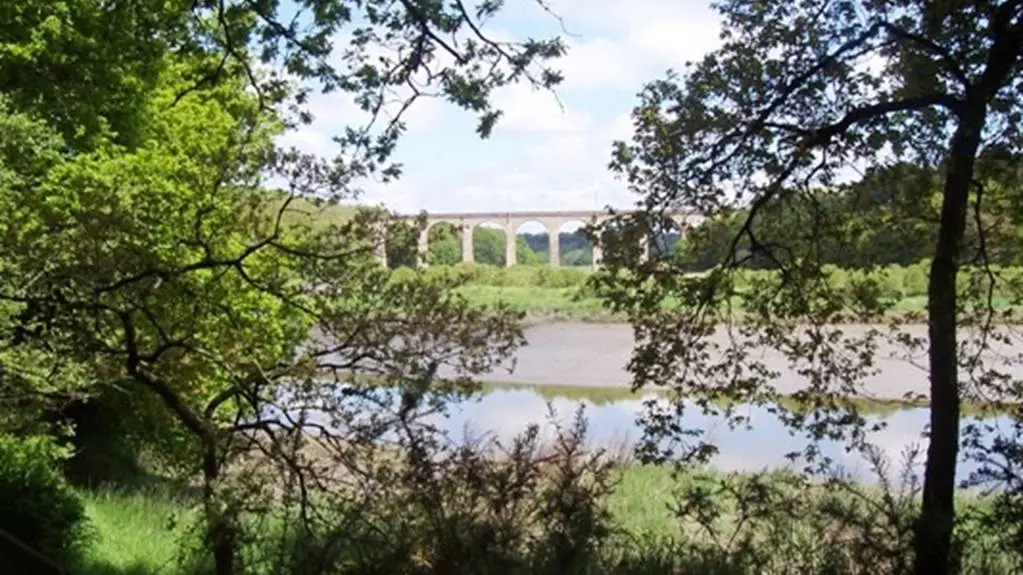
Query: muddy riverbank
[593,354]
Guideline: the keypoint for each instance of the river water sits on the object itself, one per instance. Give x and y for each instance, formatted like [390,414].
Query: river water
[504,412]
[566,365]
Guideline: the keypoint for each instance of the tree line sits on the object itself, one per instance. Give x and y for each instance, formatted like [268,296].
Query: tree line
[889,216]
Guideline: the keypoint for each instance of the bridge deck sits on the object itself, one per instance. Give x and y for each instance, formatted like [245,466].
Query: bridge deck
[562,214]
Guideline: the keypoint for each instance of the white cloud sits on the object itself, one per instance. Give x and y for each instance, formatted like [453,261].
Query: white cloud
[309,140]
[623,16]
[621,127]
[596,63]
[559,170]
[403,196]
[526,109]
[655,33]
[624,45]
[675,42]
[337,110]
[566,171]
[546,156]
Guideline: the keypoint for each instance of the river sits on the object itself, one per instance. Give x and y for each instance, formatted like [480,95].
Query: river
[565,365]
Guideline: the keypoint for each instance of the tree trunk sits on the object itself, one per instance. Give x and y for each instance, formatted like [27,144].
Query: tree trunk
[219,528]
[934,529]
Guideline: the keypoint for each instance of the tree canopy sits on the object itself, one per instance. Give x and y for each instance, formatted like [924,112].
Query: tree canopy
[919,97]
[146,250]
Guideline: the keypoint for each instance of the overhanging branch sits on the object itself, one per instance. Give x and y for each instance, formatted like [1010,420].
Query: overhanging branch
[817,137]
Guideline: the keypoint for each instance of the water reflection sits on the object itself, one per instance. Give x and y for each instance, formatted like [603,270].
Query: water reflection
[507,412]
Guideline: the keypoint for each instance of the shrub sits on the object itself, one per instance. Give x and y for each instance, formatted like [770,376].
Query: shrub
[39,507]
[482,507]
[914,280]
[403,275]
[838,278]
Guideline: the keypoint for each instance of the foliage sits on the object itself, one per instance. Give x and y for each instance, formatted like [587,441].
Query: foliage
[474,507]
[188,293]
[542,275]
[87,66]
[763,130]
[146,267]
[445,247]
[886,218]
[118,436]
[887,292]
[700,522]
[141,244]
[123,218]
[84,66]
[39,508]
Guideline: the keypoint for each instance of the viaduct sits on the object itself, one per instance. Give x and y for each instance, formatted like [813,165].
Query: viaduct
[510,222]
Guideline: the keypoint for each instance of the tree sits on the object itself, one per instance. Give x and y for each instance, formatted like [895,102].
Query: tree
[524,252]
[488,246]
[86,66]
[888,216]
[145,245]
[445,245]
[795,95]
[168,279]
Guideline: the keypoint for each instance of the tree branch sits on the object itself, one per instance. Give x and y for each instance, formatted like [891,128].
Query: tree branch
[944,56]
[821,136]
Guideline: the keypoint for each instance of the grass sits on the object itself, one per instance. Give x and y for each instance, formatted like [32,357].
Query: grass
[135,532]
[640,503]
[541,301]
[545,303]
[546,292]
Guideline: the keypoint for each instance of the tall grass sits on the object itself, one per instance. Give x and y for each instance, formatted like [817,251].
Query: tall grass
[783,527]
[546,291]
[135,532]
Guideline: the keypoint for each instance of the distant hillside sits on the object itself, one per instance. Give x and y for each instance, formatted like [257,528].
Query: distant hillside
[302,208]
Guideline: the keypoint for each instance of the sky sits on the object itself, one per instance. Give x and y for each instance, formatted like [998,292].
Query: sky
[541,156]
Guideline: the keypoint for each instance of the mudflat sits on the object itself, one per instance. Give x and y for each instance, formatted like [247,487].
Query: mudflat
[571,353]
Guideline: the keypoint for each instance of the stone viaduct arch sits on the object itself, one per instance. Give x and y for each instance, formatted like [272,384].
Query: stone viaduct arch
[511,221]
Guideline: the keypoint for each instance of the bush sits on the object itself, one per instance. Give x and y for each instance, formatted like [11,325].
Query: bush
[39,507]
[482,507]
[538,276]
[914,282]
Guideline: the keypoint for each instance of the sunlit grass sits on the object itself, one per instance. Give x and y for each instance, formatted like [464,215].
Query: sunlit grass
[135,532]
[138,532]
[540,301]
[641,502]
[568,303]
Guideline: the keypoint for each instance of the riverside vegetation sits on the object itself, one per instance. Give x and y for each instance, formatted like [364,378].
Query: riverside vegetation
[164,260]
[565,292]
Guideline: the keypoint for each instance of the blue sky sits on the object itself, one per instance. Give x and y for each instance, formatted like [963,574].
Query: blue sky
[540,157]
